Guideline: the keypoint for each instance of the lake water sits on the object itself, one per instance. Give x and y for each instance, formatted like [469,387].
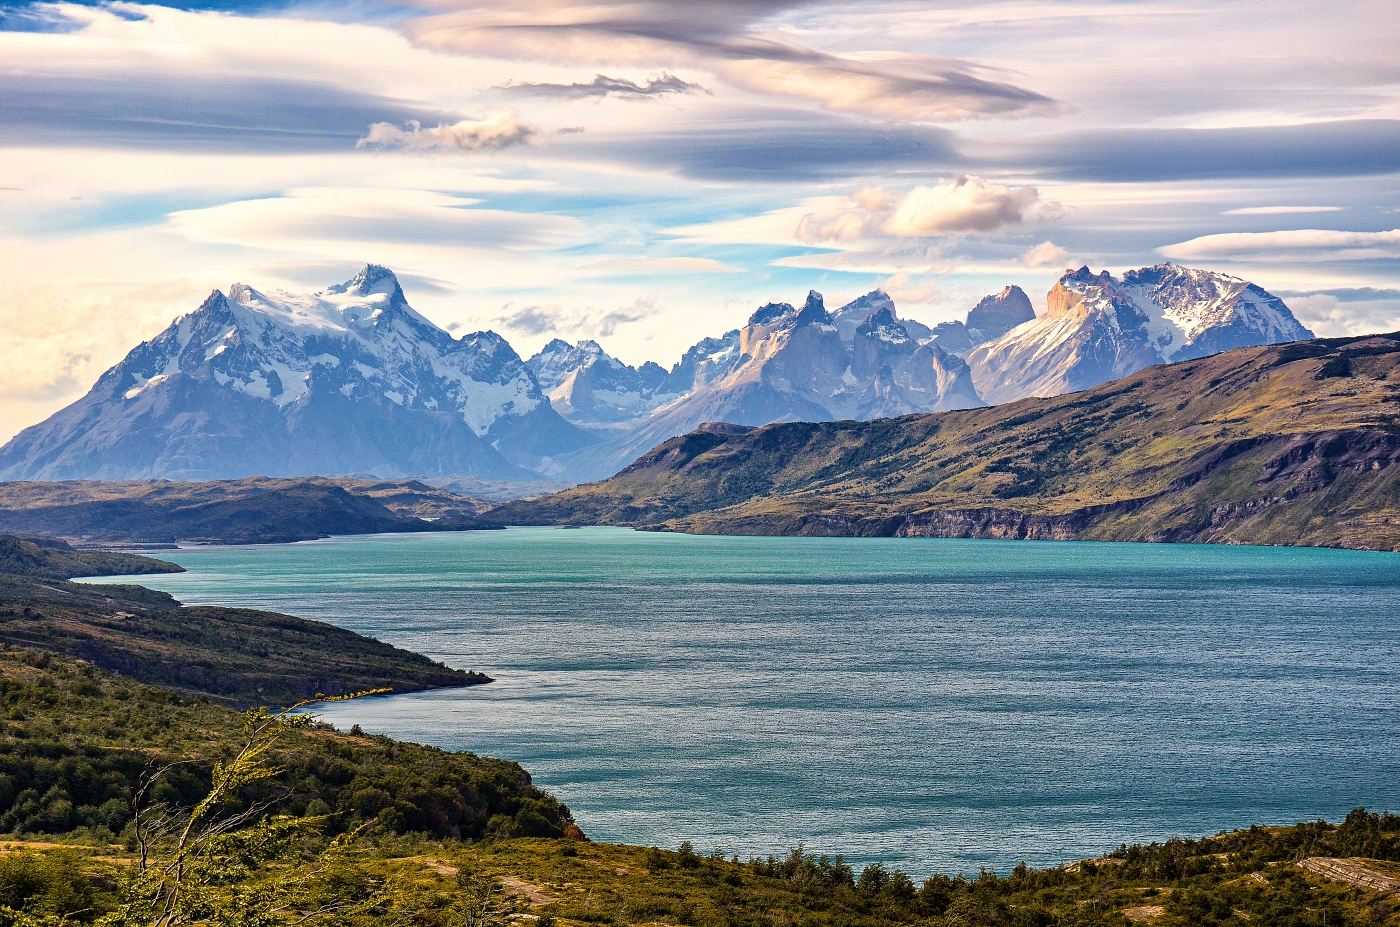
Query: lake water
[937,704]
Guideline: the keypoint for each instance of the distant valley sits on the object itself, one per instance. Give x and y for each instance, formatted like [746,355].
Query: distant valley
[352,381]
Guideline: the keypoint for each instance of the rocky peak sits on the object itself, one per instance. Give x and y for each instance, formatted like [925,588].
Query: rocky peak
[884,326]
[769,313]
[813,311]
[996,315]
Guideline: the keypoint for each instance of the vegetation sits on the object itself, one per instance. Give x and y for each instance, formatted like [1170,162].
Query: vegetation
[75,742]
[256,510]
[237,656]
[1289,444]
[266,819]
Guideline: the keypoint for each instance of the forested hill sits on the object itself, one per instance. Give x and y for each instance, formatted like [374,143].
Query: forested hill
[235,656]
[1295,444]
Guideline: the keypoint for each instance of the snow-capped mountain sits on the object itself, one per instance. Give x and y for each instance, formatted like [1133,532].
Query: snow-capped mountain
[353,380]
[588,387]
[792,364]
[347,380]
[1099,327]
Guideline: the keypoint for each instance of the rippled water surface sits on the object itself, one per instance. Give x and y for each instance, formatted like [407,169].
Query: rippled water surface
[938,704]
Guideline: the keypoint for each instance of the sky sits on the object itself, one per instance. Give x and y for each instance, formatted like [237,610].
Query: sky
[646,173]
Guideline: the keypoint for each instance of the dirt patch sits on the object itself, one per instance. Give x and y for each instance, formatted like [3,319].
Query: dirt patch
[1350,871]
[1144,913]
[521,888]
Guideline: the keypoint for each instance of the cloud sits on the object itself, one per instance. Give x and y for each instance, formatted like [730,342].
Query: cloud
[1047,253]
[339,221]
[908,289]
[532,320]
[1307,245]
[604,86]
[1278,210]
[726,37]
[1332,315]
[920,88]
[813,229]
[1344,148]
[966,204]
[788,146]
[499,128]
[555,319]
[1357,294]
[190,111]
[611,321]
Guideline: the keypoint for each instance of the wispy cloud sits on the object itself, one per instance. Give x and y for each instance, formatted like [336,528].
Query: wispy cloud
[604,86]
[1278,210]
[499,128]
[1296,245]
[727,39]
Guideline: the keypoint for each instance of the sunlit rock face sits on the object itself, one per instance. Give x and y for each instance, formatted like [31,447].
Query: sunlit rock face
[1098,327]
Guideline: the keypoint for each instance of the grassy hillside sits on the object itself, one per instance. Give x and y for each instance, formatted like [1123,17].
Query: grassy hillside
[75,740]
[239,656]
[1290,444]
[256,510]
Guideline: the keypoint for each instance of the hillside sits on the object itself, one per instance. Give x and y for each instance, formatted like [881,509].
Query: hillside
[236,656]
[256,510]
[433,826]
[1292,444]
[86,735]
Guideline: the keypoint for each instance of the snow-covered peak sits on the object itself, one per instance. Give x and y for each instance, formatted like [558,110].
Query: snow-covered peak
[373,280]
[360,338]
[883,325]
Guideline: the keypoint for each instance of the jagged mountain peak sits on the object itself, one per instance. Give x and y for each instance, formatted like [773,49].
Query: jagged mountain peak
[813,312]
[1099,327]
[348,379]
[882,324]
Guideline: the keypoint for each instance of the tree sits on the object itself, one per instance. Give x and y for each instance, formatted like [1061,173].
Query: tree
[233,864]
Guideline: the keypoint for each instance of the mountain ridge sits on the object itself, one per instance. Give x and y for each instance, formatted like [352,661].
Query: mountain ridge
[352,380]
[1292,444]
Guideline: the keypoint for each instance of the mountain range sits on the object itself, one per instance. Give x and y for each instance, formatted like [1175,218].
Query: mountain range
[1295,444]
[352,381]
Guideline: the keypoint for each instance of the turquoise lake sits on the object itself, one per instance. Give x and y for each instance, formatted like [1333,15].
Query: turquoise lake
[936,704]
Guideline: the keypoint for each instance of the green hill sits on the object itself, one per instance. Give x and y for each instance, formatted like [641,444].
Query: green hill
[1294,444]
